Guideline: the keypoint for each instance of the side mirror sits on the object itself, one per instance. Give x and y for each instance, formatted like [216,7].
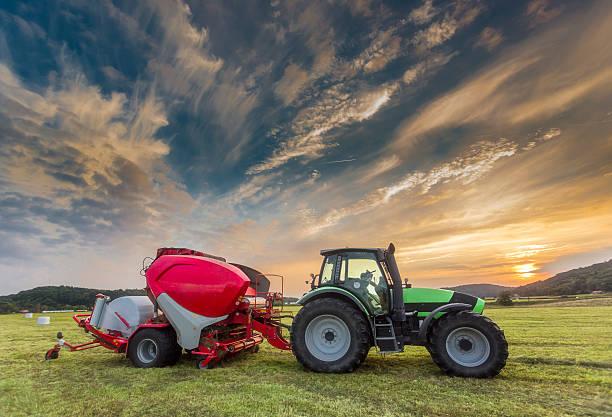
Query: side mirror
[313,277]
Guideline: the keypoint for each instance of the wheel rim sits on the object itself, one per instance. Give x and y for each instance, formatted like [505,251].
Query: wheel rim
[147,350]
[468,347]
[327,338]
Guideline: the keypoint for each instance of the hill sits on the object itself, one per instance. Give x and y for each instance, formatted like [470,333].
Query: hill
[58,298]
[480,290]
[576,281]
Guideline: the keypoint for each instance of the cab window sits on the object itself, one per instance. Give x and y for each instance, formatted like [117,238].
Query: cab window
[327,272]
[365,277]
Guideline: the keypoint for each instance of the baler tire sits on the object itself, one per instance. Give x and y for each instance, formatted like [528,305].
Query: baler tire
[176,352]
[161,348]
[253,349]
[475,327]
[209,365]
[358,329]
[51,354]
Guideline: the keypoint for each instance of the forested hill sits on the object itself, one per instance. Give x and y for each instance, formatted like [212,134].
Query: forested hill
[576,281]
[597,277]
[480,290]
[58,298]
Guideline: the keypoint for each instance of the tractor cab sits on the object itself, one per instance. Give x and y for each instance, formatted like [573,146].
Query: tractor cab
[360,272]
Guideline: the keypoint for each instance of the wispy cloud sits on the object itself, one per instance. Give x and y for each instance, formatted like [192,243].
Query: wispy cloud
[465,169]
[423,14]
[541,11]
[489,39]
[334,109]
[533,81]
[442,30]
[90,162]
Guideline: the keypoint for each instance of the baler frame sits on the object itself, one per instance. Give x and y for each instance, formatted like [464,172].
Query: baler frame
[266,320]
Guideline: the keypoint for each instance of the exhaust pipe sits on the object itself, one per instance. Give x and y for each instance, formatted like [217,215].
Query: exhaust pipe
[399,313]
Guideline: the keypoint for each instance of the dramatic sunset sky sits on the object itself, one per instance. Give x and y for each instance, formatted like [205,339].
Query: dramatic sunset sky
[475,135]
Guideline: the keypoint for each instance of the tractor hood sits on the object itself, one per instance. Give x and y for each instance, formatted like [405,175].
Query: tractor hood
[426,300]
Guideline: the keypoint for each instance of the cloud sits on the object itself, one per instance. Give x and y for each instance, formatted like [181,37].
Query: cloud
[489,39]
[113,73]
[85,164]
[334,109]
[380,167]
[384,48]
[540,11]
[465,169]
[532,81]
[423,14]
[442,30]
[426,67]
[291,84]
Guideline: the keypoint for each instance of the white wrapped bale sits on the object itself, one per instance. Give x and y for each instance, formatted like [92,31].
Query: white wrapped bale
[43,320]
[123,314]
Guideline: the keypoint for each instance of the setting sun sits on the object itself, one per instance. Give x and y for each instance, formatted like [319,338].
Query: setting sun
[525,270]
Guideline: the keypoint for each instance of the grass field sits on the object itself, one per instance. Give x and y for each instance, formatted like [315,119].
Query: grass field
[560,364]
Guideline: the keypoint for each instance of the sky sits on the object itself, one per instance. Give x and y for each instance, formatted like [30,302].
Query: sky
[474,135]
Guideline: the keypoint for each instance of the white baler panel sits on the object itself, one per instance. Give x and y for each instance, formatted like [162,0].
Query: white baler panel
[135,310]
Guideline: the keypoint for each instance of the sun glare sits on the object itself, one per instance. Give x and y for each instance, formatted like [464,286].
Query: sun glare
[525,270]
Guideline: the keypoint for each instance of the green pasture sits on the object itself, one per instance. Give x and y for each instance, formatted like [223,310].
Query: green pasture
[560,364]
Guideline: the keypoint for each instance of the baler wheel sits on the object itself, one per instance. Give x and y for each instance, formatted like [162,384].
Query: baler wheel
[253,349]
[200,364]
[51,354]
[151,348]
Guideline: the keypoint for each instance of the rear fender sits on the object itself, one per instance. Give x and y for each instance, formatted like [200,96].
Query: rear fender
[448,308]
[145,326]
[337,293]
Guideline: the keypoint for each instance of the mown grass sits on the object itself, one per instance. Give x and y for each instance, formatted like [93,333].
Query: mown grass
[560,364]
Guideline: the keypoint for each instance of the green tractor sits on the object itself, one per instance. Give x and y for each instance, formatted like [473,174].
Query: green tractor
[358,301]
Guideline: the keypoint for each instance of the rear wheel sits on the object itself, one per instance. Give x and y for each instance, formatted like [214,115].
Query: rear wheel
[151,348]
[330,335]
[468,344]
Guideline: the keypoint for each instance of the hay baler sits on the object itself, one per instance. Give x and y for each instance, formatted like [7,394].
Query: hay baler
[197,302]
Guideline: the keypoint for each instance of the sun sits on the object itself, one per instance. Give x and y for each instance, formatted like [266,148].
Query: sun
[525,270]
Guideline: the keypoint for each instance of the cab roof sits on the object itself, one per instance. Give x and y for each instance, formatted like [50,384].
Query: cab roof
[327,252]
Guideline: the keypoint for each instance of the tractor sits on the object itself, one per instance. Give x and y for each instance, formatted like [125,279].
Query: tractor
[358,301]
[202,304]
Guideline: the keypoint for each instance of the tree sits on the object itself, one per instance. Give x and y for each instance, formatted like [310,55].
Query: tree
[8,307]
[504,298]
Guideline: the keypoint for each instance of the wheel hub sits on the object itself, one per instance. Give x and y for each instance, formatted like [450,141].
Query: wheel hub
[465,344]
[468,347]
[327,338]
[147,350]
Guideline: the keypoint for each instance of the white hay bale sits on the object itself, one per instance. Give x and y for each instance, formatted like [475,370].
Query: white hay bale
[28,315]
[44,320]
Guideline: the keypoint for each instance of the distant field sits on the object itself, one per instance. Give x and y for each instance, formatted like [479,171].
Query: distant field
[560,364]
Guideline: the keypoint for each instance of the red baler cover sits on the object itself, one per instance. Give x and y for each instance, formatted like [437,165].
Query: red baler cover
[203,285]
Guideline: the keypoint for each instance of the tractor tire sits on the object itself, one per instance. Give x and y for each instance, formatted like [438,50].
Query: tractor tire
[151,348]
[468,344]
[330,335]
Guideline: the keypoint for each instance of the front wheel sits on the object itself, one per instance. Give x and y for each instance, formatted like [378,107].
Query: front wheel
[330,335]
[468,344]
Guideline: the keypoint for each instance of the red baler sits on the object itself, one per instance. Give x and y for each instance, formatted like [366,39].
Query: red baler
[197,302]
